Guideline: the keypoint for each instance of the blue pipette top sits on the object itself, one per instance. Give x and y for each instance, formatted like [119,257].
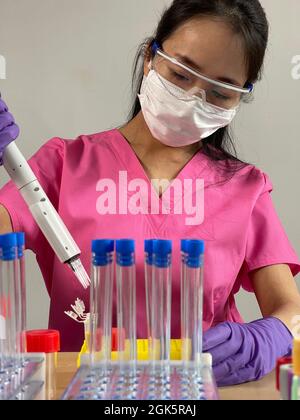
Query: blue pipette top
[162,250]
[102,250]
[8,245]
[125,249]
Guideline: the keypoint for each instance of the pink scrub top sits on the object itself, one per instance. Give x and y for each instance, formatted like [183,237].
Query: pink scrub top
[240,226]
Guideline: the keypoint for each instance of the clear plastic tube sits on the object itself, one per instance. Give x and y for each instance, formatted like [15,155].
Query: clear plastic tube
[160,334]
[182,280]
[2,323]
[19,339]
[192,302]
[148,281]
[126,301]
[23,309]
[101,301]
[10,351]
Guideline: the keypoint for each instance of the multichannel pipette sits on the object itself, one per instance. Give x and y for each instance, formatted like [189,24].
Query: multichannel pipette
[43,212]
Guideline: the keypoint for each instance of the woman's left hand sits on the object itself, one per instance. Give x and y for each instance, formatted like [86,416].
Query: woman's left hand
[246,352]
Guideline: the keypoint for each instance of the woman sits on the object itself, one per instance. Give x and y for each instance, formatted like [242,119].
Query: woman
[197,69]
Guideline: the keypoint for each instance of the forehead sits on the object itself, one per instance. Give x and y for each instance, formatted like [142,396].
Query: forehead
[213,46]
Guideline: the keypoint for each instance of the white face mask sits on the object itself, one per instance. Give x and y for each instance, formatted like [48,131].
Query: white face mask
[175,122]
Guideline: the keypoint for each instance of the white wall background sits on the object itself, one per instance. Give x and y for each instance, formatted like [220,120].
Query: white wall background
[68,72]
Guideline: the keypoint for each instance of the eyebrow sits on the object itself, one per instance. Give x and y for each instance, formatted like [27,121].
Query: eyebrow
[194,66]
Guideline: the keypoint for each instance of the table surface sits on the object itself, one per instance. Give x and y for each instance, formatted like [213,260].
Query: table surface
[261,390]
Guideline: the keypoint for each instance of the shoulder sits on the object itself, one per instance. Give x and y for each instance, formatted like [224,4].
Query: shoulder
[82,152]
[79,146]
[100,138]
[86,143]
[248,181]
[255,178]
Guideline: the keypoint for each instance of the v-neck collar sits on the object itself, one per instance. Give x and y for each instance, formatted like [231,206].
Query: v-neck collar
[199,167]
[192,170]
[196,168]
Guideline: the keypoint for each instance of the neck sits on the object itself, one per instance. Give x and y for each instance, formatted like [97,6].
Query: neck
[138,135]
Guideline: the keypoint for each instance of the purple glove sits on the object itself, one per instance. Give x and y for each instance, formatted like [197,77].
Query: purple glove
[246,352]
[9,131]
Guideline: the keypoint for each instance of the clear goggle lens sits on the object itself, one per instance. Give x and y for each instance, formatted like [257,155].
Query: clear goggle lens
[195,84]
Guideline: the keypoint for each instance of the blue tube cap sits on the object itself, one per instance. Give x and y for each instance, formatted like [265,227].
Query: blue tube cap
[149,251]
[8,240]
[149,245]
[195,247]
[125,249]
[21,243]
[102,250]
[162,250]
[162,247]
[103,246]
[195,251]
[125,246]
[20,238]
[8,245]
[184,244]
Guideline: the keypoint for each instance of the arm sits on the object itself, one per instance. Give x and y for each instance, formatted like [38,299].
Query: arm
[5,222]
[277,293]
[247,352]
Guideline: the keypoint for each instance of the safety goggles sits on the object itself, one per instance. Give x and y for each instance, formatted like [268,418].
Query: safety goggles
[214,92]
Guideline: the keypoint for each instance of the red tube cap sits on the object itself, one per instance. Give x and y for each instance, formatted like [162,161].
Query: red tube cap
[281,362]
[43,341]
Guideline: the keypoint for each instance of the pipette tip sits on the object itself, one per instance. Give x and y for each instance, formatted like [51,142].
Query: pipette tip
[80,272]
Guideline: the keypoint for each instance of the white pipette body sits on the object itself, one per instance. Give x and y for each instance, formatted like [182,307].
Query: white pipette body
[43,211]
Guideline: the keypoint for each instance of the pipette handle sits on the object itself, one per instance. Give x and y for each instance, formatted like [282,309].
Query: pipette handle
[39,204]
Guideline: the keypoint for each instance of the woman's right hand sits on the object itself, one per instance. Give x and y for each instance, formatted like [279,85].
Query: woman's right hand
[9,131]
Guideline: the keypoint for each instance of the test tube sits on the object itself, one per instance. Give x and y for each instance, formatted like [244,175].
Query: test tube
[182,278]
[160,334]
[101,301]
[10,352]
[22,279]
[126,301]
[192,302]
[148,280]
[2,328]
[18,298]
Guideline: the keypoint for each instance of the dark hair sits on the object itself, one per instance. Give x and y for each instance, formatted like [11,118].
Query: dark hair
[247,18]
